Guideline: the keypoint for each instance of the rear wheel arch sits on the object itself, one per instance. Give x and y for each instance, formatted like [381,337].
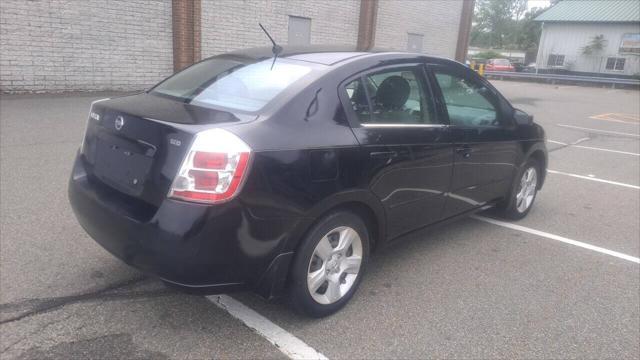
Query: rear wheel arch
[366,214]
[318,282]
[361,202]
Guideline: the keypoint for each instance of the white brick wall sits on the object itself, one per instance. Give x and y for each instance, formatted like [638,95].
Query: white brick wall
[70,45]
[233,24]
[58,45]
[437,20]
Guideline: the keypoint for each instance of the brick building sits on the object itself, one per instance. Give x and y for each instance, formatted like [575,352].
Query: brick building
[73,45]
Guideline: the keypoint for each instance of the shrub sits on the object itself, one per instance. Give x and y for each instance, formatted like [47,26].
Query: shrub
[490,54]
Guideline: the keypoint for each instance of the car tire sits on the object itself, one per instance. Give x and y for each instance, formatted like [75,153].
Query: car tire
[520,200]
[325,272]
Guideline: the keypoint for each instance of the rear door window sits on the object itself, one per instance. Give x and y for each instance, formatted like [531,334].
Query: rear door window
[358,100]
[392,96]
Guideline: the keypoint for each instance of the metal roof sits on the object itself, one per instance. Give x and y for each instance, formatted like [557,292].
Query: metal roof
[610,11]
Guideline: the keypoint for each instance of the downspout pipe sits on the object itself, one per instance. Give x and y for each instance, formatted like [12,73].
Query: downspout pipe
[185,23]
[464,30]
[367,24]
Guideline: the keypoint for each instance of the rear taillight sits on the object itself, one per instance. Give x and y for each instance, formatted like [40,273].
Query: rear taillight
[214,168]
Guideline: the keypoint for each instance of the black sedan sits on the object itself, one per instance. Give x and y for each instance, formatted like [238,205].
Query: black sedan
[281,176]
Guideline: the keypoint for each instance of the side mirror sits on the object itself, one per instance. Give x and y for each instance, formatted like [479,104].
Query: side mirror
[522,118]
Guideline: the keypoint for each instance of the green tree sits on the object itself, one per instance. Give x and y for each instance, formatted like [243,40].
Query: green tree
[519,8]
[528,31]
[488,55]
[594,48]
[595,45]
[505,24]
[492,18]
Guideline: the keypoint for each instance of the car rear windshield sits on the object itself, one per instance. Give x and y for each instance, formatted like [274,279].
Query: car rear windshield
[501,62]
[231,84]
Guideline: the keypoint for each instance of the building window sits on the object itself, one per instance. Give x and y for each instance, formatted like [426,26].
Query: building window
[615,64]
[555,60]
[299,30]
[630,44]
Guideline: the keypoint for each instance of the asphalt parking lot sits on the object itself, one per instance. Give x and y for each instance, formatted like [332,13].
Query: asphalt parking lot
[472,289]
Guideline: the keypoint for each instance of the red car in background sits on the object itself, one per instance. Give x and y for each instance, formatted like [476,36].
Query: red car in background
[499,65]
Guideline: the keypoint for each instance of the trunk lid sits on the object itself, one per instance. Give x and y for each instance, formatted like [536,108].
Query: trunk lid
[137,144]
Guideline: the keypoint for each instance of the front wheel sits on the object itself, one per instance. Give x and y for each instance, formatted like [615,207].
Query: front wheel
[329,264]
[524,192]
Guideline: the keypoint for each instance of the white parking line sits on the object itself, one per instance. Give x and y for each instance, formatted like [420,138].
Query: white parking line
[594,148]
[608,150]
[290,345]
[557,142]
[594,179]
[568,144]
[559,238]
[598,130]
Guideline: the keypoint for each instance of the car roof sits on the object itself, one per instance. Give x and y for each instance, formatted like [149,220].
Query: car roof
[320,54]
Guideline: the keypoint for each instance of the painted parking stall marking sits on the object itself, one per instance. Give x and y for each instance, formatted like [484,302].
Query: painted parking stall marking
[290,345]
[607,150]
[593,178]
[598,131]
[559,238]
[593,148]
[617,117]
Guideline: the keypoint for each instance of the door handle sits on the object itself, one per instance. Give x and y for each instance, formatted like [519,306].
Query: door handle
[465,151]
[384,154]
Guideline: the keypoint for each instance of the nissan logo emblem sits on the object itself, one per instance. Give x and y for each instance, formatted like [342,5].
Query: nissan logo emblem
[119,122]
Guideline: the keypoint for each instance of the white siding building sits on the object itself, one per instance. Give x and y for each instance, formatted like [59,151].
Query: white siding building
[571,27]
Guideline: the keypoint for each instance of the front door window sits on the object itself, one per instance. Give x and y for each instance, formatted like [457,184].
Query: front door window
[467,102]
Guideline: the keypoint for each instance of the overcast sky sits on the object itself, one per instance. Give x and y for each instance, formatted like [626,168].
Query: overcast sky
[537,3]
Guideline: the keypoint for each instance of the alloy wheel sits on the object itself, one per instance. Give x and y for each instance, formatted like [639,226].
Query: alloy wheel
[334,265]
[527,189]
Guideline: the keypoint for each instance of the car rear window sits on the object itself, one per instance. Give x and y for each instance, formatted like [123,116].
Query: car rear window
[232,84]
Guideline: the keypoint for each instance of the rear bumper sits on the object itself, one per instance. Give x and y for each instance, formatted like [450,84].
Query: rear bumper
[204,249]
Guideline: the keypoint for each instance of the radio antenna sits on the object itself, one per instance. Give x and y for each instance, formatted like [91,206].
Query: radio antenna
[276,49]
